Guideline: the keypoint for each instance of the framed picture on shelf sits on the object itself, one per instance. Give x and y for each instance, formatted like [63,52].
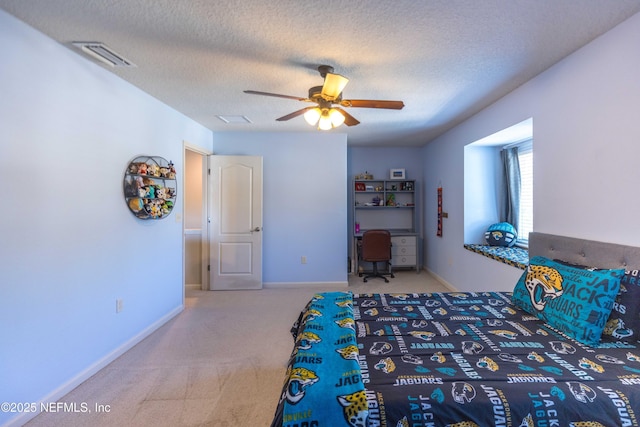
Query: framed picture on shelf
[396,174]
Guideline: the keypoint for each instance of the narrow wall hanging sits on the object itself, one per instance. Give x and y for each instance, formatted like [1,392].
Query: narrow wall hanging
[439,232]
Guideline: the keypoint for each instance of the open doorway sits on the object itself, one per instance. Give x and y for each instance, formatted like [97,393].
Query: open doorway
[195,224]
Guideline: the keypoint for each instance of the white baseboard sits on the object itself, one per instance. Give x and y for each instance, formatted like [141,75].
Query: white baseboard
[442,281]
[193,286]
[304,285]
[74,382]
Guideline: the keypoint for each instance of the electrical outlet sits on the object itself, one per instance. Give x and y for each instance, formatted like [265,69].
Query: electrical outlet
[303,259]
[119,305]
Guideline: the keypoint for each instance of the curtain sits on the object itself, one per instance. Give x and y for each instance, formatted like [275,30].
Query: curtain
[511,201]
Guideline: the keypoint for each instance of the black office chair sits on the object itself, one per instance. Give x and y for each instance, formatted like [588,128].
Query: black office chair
[376,247]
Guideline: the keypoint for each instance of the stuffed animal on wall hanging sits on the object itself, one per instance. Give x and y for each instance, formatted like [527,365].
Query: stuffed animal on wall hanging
[161,193]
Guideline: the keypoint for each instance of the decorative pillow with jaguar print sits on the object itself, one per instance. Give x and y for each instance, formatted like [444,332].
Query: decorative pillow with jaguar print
[574,300]
[624,320]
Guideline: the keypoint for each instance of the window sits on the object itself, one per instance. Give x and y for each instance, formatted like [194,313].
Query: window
[484,185]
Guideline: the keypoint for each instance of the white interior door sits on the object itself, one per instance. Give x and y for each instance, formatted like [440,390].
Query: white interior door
[236,222]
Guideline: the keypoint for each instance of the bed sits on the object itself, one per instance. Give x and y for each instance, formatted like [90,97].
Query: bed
[560,350]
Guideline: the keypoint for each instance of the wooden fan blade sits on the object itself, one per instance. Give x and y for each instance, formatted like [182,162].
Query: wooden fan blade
[333,86]
[294,114]
[370,103]
[255,92]
[349,120]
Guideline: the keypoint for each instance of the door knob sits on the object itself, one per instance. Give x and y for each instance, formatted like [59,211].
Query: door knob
[255,229]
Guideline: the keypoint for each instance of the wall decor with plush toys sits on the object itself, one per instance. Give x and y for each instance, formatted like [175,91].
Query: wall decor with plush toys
[150,187]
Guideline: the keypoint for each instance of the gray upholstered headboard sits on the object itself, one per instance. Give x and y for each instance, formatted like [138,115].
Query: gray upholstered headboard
[584,252]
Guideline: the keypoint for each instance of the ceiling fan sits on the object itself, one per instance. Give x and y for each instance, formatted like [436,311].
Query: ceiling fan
[328,113]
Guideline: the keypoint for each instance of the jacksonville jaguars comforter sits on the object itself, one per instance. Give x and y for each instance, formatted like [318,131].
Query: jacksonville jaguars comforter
[449,359]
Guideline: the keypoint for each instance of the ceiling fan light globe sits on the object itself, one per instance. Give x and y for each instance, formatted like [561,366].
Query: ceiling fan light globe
[337,118]
[312,116]
[325,122]
[333,86]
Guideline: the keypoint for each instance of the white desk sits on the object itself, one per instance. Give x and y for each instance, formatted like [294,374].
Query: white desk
[404,250]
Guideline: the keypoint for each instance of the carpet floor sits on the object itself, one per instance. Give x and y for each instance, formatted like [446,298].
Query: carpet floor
[221,362]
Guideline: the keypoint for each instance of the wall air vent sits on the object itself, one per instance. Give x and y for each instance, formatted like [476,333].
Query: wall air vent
[103,53]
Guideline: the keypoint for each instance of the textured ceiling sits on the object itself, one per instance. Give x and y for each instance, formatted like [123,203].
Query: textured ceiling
[445,59]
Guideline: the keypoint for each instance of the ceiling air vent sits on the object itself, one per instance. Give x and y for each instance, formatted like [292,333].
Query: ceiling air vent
[234,119]
[103,53]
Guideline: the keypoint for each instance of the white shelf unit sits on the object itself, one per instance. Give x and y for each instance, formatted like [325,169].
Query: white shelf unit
[390,205]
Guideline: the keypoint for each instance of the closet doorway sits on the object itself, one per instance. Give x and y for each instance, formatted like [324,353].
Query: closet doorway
[195,223]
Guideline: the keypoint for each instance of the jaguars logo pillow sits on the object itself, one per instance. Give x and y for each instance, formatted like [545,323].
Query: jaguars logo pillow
[501,234]
[624,321]
[574,300]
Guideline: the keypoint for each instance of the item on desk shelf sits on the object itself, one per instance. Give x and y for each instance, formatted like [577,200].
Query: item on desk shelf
[357,227]
[366,175]
[396,174]
[391,199]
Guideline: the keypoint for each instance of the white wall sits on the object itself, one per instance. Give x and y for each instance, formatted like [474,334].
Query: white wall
[378,161]
[482,184]
[70,246]
[305,203]
[586,136]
